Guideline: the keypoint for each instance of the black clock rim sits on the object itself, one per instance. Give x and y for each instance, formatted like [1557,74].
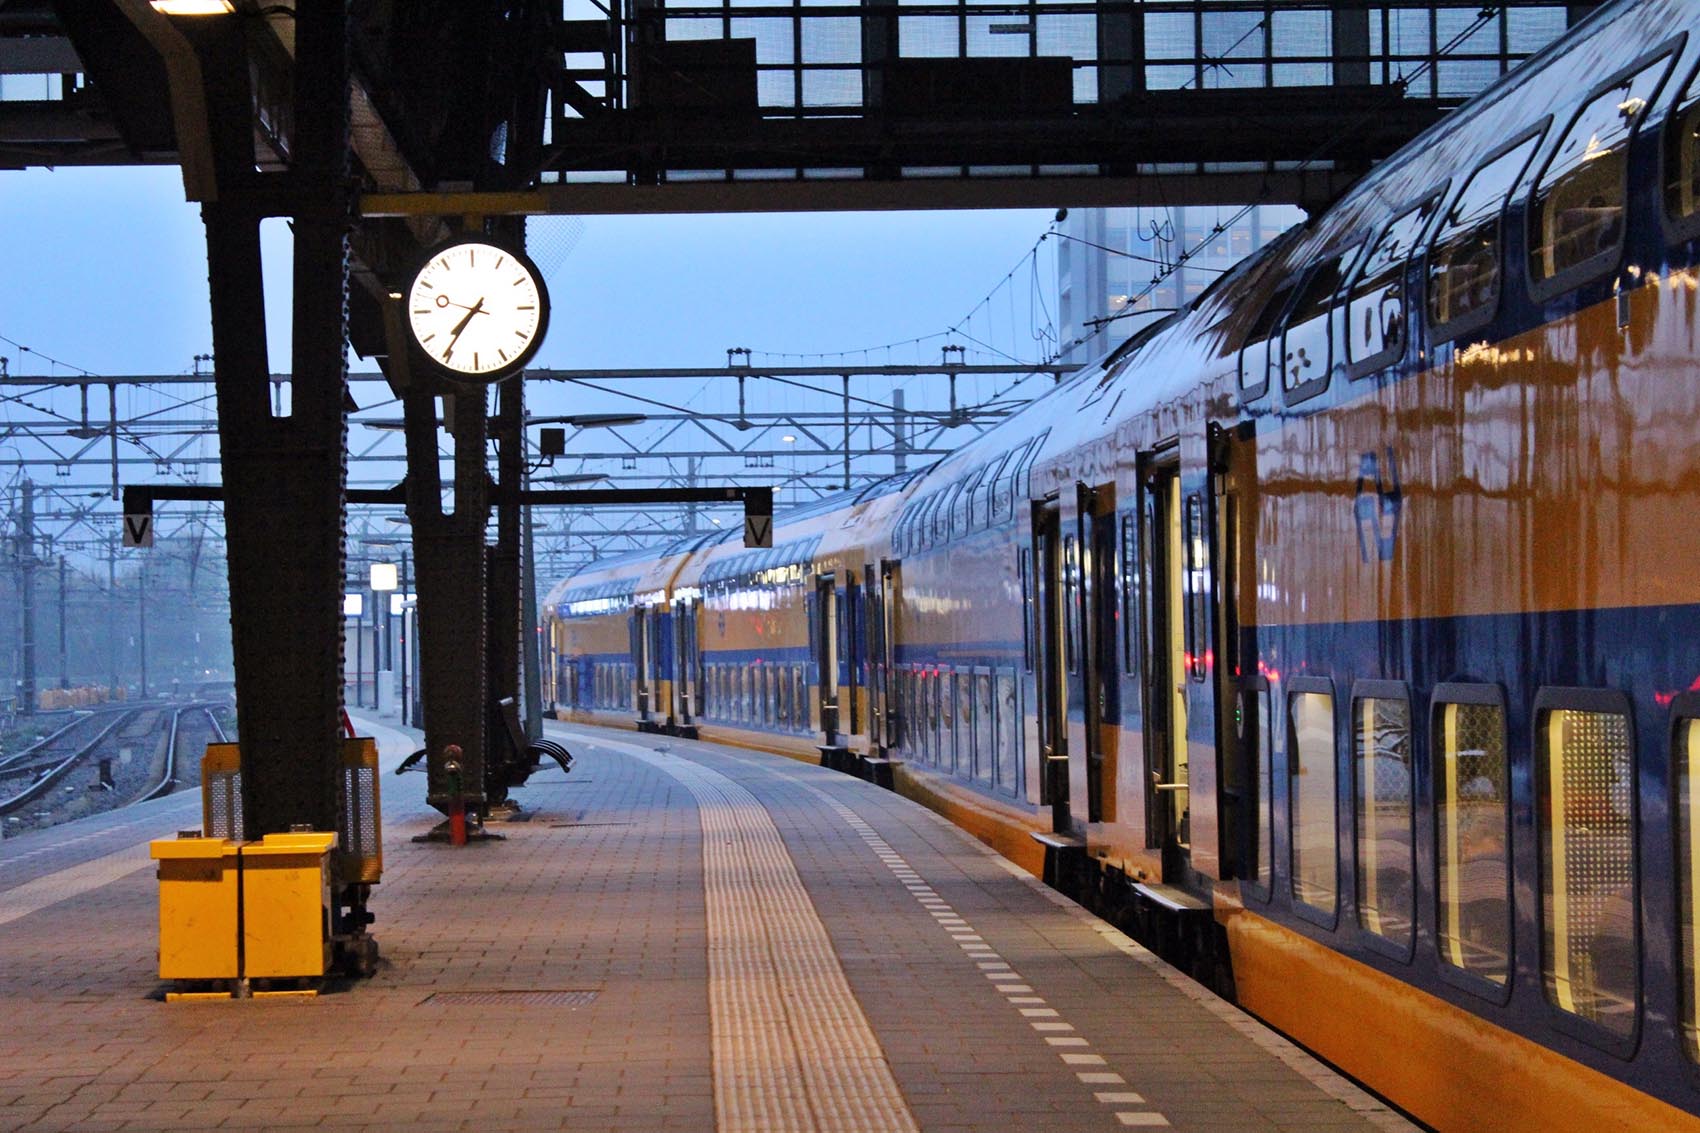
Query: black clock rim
[520,360]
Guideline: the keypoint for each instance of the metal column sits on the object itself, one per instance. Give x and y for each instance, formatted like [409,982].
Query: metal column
[285,475]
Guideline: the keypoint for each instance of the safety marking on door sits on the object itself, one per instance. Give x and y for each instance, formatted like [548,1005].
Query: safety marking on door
[792,1050]
[1128,1108]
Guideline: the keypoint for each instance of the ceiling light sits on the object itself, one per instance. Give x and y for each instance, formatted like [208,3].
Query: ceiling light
[193,7]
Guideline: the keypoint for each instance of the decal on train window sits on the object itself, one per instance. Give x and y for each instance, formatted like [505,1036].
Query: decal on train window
[1463,259]
[1585,813]
[1376,317]
[1472,832]
[1254,356]
[1307,346]
[1576,212]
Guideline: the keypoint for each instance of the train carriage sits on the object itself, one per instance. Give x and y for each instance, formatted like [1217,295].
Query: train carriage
[1338,635]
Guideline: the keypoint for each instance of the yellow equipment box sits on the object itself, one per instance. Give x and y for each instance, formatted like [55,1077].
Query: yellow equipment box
[286,905]
[198,888]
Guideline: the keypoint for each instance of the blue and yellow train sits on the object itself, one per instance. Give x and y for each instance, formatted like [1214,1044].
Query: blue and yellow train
[1340,634]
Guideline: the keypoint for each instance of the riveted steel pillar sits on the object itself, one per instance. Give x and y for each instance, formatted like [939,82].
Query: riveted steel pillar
[285,467]
[507,768]
[448,549]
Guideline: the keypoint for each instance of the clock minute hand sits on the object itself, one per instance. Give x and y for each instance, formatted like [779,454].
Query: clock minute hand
[454,335]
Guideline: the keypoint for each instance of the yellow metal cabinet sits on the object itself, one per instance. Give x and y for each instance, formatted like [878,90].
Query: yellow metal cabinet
[198,907]
[286,905]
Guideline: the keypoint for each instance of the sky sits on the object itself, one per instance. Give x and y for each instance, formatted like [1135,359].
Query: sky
[107,272]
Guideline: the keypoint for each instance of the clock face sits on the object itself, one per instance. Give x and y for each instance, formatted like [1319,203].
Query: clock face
[478,309]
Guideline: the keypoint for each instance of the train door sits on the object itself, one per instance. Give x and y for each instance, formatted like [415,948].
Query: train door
[1092,568]
[1050,664]
[879,592]
[1239,690]
[688,663]
[1167,665]
[852,646]
[825,635]
[640,662]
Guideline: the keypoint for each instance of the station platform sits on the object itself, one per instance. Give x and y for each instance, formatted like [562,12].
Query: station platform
[677,936]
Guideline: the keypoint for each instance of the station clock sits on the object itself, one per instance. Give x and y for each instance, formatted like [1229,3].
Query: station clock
[477,309]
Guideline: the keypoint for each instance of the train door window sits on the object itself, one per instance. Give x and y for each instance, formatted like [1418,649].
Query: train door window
[1024,573]
[1375,303]
[1386,874]
[1254,355]
[1071,596]
[1197,588]
[1265,787]
[1576,212]
[1682,161]
[1472,833]
[1311,761]
[1129,585]
[1463,258]
[1585,814]
[1307,344]
[1685,753]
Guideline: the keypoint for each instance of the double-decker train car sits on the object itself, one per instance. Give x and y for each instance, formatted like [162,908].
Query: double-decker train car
[1338,635]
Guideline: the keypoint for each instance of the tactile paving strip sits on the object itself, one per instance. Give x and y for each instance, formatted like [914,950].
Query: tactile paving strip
[793,1051]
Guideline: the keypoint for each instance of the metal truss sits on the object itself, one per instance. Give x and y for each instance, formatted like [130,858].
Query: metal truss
[80,438]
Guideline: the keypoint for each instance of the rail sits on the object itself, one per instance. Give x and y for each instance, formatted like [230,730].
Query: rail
[41,786]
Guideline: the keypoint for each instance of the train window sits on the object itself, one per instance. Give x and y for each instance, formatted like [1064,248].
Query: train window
[1375,304]
[1386,889]
[1585,810]
[1472,831]
[1307,344]
[1197,589]
[1686,757]
[1682,156]
[962,509]
[1310,758]
[1576,209]
[1463,257]
[1254,355]
[1022,564]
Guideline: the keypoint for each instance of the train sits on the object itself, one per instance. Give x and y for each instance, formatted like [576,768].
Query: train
[1338,635]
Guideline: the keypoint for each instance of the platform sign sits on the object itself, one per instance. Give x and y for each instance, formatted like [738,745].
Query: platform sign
[758,530]
[138,530]
[758,516]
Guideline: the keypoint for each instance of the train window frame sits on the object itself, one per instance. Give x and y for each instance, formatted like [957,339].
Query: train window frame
[1339,263]
[1354,366]
[1679,227]
[1472,694]
[1684,710]
[1597,701]
[1391,691]
[1447,330]
[1607,260]
[1265,329]
[1312,686]
[1260,829]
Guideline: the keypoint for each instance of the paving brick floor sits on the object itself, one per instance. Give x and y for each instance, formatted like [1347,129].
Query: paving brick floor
[978,984]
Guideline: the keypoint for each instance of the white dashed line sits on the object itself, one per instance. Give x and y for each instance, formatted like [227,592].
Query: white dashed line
[1046,1021]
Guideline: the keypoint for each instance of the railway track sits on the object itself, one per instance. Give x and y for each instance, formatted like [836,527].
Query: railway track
[105,760]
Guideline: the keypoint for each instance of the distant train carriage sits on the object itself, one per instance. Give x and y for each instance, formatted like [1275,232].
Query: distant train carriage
[1338,635]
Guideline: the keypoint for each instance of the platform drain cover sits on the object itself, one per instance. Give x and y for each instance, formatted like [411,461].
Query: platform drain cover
[510,999]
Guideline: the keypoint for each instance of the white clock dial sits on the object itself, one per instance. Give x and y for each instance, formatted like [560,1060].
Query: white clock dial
[477,309]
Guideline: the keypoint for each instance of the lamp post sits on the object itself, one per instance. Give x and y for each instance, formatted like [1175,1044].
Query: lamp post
[383,583]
